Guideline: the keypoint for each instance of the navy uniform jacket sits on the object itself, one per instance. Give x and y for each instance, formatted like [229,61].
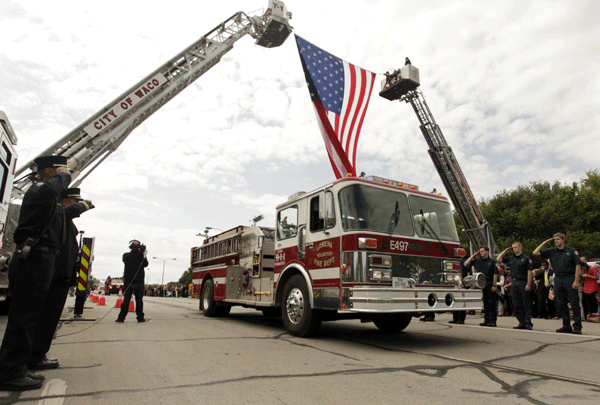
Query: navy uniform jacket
[486,266]
[563,261]
[518,266]
[40,207]
[134,267]
[67,256]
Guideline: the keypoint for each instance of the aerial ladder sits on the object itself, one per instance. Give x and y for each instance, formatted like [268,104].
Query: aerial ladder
[403,85]
[93,141]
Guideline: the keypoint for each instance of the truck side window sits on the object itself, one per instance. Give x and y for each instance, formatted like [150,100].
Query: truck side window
[320,211]
[329,210]
[287,223]
[316,223]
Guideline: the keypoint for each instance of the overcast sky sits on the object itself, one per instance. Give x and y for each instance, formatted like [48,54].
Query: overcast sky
[513,85]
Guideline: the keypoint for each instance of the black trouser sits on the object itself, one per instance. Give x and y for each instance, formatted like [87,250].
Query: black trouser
[138,289]
[508,306]
[79,302]
[590,305]
[459,316]
[29,282]
[564,294]
[490,302]
[543,301]
[53,307]
[522,302]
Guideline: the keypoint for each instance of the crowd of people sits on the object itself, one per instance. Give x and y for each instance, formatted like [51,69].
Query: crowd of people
[175,290]
[515,288]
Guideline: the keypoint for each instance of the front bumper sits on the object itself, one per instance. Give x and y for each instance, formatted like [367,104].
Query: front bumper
[418,299]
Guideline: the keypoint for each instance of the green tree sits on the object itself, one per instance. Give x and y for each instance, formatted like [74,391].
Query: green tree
[186,277]
[533,213]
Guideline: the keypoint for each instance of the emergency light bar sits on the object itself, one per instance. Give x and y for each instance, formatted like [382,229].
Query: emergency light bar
[378,179]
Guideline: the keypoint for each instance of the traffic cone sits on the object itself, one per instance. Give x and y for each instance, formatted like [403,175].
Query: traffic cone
[131,306]
[102,300]
[95,296]
[119,299]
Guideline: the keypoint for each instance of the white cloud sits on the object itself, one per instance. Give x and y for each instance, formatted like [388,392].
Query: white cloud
[513,86]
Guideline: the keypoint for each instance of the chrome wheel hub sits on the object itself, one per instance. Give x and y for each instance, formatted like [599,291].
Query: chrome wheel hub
[295,305]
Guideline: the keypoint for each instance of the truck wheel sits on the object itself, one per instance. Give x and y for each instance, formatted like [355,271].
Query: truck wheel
[208,306]
[390,323]
[298,317]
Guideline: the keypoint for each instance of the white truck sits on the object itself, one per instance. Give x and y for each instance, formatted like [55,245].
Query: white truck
[359,247]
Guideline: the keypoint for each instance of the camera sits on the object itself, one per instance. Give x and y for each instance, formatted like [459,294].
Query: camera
[25,250]
[142,248]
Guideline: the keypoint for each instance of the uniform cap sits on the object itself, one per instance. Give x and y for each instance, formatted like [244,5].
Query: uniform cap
[71,193]
[43,162]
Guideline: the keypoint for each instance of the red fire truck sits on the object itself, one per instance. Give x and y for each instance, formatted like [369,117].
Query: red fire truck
[360,247]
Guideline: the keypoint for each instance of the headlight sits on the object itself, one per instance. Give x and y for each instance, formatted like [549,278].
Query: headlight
[452,278]
[381,260]
[380,274]
[451,265]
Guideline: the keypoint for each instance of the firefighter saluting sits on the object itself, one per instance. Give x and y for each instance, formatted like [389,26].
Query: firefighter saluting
[38,237]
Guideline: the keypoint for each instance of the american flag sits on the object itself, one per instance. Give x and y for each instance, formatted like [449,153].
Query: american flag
[340,92]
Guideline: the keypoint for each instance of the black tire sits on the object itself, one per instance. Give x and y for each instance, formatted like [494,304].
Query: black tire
[391,323]
[223,310]
[298,317]
[208,306]
[271,312]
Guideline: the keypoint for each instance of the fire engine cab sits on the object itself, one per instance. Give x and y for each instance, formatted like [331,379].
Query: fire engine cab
[360,247]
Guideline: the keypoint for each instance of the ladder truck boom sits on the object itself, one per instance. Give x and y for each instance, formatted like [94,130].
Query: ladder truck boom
[95,139]
[403,85]
[92,142]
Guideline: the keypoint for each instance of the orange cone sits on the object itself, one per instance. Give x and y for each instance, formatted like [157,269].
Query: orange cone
[131,306]
[119,299]
[102,300]
[95,296]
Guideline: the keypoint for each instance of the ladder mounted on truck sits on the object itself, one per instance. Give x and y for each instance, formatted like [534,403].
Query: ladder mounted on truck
[403,85]
[100,135]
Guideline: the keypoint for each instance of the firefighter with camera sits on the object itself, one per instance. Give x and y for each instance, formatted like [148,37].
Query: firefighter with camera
[133,280]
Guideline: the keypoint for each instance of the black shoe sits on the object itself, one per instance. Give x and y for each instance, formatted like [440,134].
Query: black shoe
[21,384]
[453,321]
[460,322]
[484,324]
[491,324]
[520,327]
[119,320]
[35,376]
[43,364]
[564,329]
[577,331]
[143,320]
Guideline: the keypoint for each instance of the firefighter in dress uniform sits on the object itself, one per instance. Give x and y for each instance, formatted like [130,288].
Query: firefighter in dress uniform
[65,271]
[38,237]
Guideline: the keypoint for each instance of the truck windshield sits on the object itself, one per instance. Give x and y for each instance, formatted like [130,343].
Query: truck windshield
[364,207]
[433,218]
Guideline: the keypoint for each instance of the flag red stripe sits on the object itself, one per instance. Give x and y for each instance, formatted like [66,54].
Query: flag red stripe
[362,117]
[359,105]
[350,102]
[334,149]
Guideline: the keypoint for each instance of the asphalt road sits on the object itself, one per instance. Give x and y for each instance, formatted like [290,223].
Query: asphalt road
[181,357]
